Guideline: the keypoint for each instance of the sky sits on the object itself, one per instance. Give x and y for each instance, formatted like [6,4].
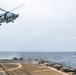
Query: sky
[43,26]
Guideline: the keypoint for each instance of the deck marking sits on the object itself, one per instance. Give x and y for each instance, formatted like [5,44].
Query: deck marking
[41,67]
[3,73]
[11,71]
[19,66]
[57,71]
[42,70]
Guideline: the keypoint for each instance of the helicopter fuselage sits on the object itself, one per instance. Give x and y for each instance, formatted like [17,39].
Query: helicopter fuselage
[8,17]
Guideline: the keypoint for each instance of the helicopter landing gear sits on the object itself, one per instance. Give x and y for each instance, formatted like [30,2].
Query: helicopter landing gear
[7,22]
[12,21]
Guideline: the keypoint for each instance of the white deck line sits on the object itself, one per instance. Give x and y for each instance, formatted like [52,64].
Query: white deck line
[3,72]
[58,71]
[11,71]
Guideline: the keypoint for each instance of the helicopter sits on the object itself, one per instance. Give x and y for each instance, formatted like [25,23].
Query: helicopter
[9,16]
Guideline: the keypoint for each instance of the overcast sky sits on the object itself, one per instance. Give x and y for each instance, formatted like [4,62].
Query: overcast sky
[43,25]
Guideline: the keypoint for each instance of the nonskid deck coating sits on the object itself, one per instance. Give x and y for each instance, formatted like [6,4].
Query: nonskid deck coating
[28,68]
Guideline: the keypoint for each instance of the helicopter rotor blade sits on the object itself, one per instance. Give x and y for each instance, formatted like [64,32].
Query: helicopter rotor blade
[18,7]
[2,10]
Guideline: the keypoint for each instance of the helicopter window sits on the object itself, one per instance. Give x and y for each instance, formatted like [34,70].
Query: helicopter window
[2,17]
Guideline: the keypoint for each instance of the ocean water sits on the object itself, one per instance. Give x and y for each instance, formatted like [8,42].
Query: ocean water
[67,58]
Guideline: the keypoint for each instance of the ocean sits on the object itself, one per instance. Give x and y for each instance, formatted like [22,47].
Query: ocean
[66,58]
